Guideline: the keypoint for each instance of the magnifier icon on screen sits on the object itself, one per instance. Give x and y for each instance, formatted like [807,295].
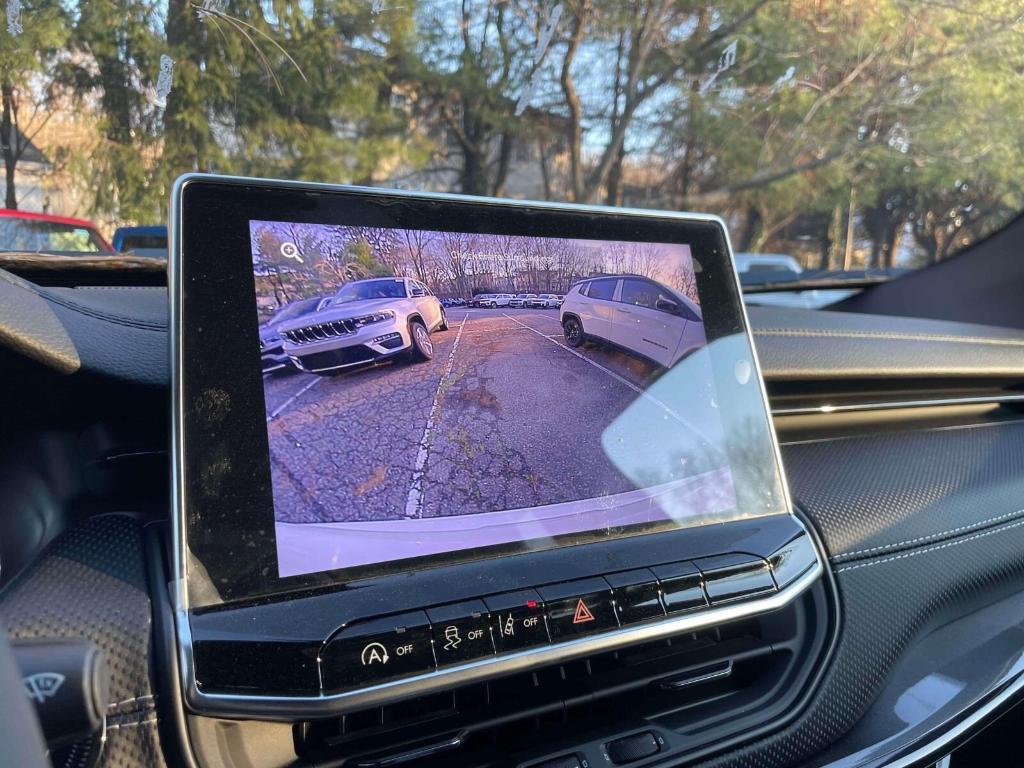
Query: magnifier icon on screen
[289,251]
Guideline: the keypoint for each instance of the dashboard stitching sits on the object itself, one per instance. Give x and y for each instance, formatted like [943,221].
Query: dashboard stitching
[930,537]
[916,552]
[116,319]
[809,333]
[117,726]
[145,697]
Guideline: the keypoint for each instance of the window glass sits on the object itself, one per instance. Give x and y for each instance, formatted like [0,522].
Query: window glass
[370,289]
[602,289]
[144,241]
[32,235]
[640,293]
[680,309]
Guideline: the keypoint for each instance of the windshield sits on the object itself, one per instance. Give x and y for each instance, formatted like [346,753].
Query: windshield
[370,289]
[835,137]
[295,309]
[39,235]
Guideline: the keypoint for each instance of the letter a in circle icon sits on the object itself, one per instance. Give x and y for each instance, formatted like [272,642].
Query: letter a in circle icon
[583,613]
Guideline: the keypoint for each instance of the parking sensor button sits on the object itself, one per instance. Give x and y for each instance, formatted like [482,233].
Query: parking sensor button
[735,576]
[637,595]
[681,588]
[517,620]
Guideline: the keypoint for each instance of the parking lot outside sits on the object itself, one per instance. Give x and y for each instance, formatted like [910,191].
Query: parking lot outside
[504,416]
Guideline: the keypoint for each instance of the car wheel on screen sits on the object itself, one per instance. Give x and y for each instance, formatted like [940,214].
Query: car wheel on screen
[443,326]
[573,330]
[422,348]
[494,305]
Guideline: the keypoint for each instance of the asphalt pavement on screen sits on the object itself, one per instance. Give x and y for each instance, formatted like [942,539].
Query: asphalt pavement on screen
[504,416]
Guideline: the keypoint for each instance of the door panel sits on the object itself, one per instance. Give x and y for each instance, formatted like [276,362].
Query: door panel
[598,309]
[640,327]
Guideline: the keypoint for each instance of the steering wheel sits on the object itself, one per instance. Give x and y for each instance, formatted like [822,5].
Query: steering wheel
[19,729]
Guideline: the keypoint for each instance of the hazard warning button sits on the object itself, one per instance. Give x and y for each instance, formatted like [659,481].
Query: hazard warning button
[579,608]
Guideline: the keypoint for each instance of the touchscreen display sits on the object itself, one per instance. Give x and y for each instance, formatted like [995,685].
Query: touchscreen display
[429,393]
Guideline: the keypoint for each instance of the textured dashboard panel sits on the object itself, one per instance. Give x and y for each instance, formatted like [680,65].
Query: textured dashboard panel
[888,492]
[881,621]
[91,582]
[118,332]
[922,527]
[808,345]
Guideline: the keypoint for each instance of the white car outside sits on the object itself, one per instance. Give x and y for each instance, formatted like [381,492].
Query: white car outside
[779,265]
[636,314]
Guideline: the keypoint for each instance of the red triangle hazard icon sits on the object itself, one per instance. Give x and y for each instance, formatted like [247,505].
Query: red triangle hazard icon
[583,613]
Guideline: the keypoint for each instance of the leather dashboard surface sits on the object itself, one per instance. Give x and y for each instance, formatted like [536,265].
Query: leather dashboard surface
[920,528]
[939,535]
[818,344]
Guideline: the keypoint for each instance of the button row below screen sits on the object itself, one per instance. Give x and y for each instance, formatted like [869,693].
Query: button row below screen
[375,651]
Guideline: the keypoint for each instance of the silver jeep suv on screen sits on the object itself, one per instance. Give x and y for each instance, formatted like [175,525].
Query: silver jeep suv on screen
[635,314]
[366,321]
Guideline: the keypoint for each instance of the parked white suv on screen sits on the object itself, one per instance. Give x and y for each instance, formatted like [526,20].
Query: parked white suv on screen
[633,313]
[498,300]
[546,301]
[364,322]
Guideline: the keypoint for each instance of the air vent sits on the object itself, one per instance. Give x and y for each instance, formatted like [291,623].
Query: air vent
[694,690]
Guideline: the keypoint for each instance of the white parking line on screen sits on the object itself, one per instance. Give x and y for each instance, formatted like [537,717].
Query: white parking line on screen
[277,411]
[414,500]
[621,379]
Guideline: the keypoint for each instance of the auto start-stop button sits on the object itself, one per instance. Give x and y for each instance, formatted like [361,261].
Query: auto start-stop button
[374,651]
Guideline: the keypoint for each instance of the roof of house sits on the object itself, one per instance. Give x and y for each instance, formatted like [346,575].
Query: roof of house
[31,153]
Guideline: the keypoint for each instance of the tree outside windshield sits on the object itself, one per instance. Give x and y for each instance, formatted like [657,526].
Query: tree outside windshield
[883,133]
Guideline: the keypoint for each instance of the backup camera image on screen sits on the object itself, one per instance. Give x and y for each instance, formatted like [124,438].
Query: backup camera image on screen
[437,392]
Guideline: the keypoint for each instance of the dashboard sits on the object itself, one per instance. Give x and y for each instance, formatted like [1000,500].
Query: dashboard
[849,598]
[672,521]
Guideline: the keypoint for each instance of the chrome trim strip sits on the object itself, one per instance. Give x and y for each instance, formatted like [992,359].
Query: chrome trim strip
[685,682]
[428,750]
[895,404]
[289,707]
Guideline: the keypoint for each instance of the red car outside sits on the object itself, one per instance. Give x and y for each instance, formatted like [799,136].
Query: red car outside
[43,233]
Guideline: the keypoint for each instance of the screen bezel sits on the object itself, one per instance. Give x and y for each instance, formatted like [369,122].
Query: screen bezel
[225,542]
